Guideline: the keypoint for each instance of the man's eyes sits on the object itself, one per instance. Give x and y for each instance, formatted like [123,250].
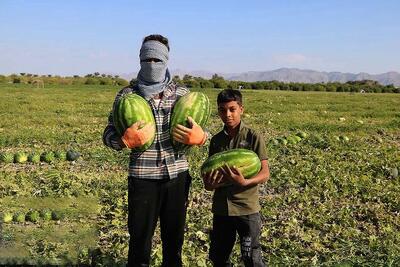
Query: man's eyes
[151,60]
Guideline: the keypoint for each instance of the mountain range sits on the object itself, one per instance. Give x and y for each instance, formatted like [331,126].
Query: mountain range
[291,75]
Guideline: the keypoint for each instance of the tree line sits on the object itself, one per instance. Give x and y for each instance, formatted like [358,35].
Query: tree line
[216,81]
[367,86]
[88,79]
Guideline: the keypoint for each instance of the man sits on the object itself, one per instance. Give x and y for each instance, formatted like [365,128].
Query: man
[158,180]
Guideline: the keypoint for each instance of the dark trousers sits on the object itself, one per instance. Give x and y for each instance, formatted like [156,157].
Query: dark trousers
[223,237]
[149,200]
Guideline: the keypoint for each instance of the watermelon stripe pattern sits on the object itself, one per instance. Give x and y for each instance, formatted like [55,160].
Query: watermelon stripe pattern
[130,109]
[195,105]
[245,160]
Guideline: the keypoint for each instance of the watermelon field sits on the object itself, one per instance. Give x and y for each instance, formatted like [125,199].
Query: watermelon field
[333,198]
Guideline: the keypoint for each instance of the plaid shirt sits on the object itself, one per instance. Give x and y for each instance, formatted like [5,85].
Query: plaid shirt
[159,161]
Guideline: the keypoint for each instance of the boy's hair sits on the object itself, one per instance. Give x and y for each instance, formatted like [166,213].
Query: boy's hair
[157,37]
[228,95]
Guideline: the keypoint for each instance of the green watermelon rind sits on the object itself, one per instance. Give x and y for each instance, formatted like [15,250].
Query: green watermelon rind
[195,105]
[247,161]
[20,157]
[130,109]
[6,157]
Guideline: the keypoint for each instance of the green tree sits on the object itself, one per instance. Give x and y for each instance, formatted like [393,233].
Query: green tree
[176,79]
[218,81]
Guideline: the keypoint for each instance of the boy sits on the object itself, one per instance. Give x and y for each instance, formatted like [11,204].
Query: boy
[235,202]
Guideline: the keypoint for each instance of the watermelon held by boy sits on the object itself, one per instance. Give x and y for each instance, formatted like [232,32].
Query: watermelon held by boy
[195,105]
[247,161]
[132,108]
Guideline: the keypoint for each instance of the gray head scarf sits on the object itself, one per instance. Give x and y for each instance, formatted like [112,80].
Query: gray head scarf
[153,76]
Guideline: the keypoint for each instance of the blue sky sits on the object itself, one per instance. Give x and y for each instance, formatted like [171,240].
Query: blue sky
[79,37]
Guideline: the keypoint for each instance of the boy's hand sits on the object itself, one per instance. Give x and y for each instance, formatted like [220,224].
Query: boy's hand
[135,137]
[189,136]
[233,175]
[213,179]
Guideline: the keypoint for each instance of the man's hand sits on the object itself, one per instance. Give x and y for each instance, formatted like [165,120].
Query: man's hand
[233,175]
[189,136]
[135,137]
[213,179]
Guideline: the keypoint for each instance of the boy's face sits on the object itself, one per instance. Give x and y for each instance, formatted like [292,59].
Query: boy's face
[230,113]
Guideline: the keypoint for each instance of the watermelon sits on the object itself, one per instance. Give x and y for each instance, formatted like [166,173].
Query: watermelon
[72,155]
[245,160]
[60,155]
[32,216]
[130,109]
[298,138]
[6,217]
[47,157]
[46,214]
[193,104]
[19,217]
[302,134]
[57,215]
[7,157]
[274,142]
[344,138]
[282,140]
[34,157]
[20,157]
[291,140]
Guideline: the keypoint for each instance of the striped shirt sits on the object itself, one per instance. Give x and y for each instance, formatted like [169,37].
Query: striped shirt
[159,161]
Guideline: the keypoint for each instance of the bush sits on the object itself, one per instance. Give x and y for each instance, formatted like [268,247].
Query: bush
[3,79]
[91,81]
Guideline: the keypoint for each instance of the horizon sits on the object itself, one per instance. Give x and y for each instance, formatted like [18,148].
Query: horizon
[76,38]
[181,71]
